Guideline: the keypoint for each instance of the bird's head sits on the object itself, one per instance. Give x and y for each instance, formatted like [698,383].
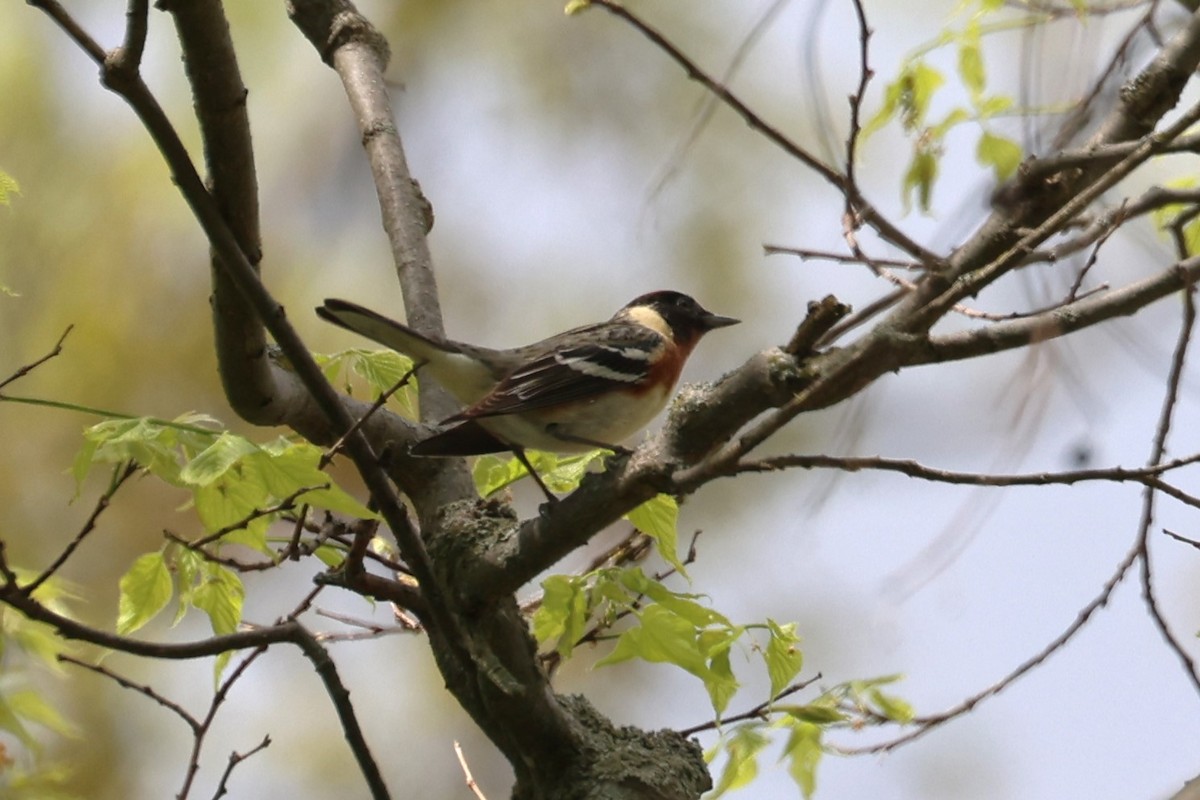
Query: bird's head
[674,314]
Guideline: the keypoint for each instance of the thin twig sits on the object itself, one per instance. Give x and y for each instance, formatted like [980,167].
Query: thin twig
[236,758]
[1158,448]
[760,711]
[933,721]
[850,218]
[1183,539]
[1147,476]
[379,403]
[285,504]
[869,214]
[199,734]
[462,762]
[121,474]
[841,258]
[140,688]
[30,367]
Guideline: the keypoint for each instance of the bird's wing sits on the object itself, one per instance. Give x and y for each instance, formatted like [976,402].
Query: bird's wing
[623,355]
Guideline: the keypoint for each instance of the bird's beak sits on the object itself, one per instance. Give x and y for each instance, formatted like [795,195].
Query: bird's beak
[712,321]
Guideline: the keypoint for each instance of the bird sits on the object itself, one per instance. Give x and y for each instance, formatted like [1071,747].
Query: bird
[583,389]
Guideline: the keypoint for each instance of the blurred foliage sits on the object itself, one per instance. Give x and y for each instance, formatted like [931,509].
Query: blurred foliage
[28,715]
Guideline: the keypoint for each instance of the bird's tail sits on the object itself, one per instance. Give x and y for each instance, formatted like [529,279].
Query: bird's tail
[387,332]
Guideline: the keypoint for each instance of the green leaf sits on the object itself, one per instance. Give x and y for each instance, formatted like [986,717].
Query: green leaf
[685,605]
[31,706]
[922,172]
[220,596]
[564,473]
[818,713]
[783,656]
[563,613]
[892,707]
[285,467]
[970,61]
[919,82]
[575,6]
[886,112]
[991,106]
[227,503]
[937,133]
[492,473]
[803,752]
[1003,155]
[383,369]
[216,460]
[741,766]
[658,518]
[662,636]
[720,682]
[1191,237]
[10,721]
[330,556]
[560,474]
[145,590]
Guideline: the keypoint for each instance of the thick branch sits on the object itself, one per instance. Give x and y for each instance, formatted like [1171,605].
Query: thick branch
[358,52]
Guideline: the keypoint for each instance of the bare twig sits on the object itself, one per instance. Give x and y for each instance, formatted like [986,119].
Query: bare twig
[1183,539]
[30,367]
[236,758]
[869,214]
[121,474]
[379,403]
[841,258]
[1158,448]
[1149,476]
[462,762]
[199,734]
[140,688]
[931,722]
[850,219]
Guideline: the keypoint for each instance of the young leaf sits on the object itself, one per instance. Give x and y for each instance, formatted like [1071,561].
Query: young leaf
[919,82]
[818,713]
[563,613]
[783,656]
[1003,155]
[720,682]
[658,518]
[217,459]
[284,467]
[922,173]
[383,369]
[892,707]
[742,751]
[492,473]
[145,590]
[803,753]
[970,61]
[32,706]
[220,595]
[662,636]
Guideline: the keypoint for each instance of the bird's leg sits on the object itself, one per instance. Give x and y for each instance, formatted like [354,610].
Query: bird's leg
[553,430]
[520,454]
